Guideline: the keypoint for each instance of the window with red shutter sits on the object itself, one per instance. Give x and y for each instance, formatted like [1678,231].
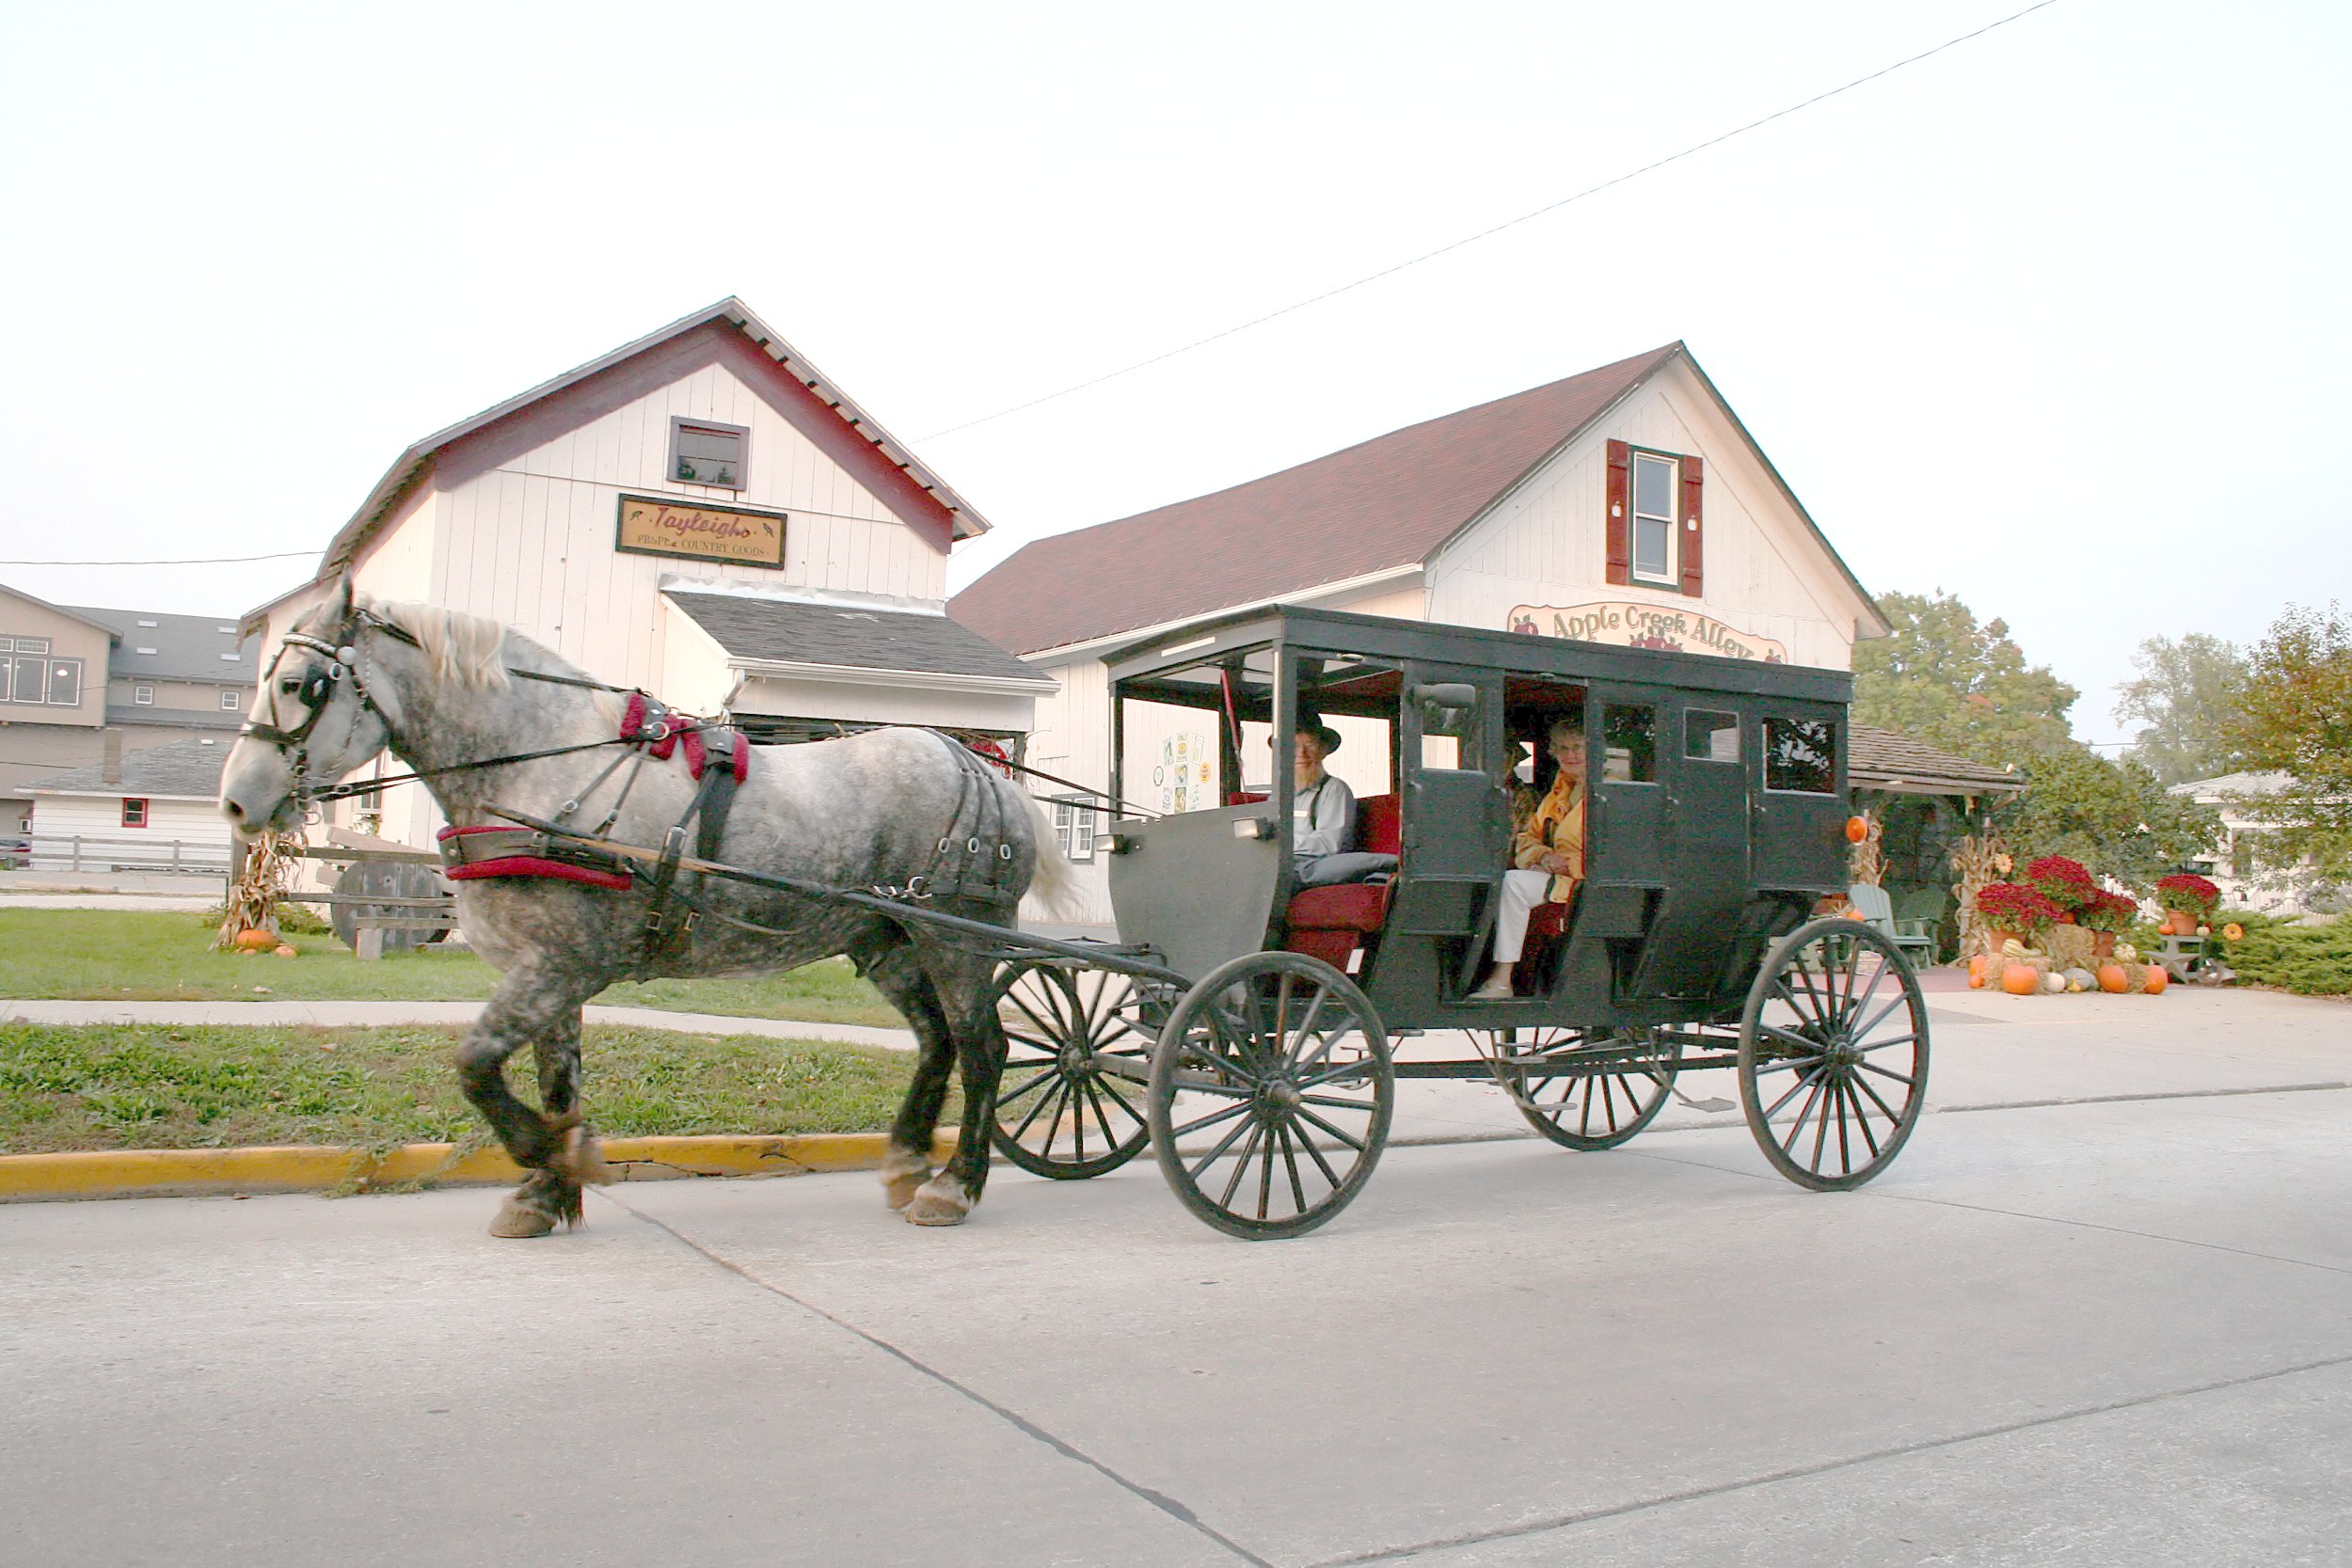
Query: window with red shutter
[1654,524]
[1693,582]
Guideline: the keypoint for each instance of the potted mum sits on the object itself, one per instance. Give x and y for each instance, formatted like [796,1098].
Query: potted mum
[2189,902]
[2065,883]
[2015,909]
[2108,916]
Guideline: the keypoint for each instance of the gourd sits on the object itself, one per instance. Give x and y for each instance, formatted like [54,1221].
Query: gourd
[2021,980]
[2157,979]
[255,939]
[2113,980]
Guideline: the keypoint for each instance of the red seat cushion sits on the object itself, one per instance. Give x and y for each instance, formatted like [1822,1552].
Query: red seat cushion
[1380,824]
[1347,907]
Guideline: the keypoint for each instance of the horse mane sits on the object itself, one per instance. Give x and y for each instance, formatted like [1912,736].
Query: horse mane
[464,650]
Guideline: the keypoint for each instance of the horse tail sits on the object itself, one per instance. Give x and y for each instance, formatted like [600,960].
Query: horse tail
[1056,884]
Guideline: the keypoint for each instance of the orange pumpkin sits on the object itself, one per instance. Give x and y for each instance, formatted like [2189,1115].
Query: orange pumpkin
[1975,969]
[255,940]
[2021,980]
[2113,980]
[2157,979]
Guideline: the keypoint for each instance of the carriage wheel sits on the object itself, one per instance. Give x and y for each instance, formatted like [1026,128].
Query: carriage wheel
[1833,1053]
[1549,1075]
[1271,1094]
[1063,1108]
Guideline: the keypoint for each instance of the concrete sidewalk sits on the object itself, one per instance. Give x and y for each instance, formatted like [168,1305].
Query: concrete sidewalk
[443,1015]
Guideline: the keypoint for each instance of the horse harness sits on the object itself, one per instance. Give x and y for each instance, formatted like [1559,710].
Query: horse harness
[972,860]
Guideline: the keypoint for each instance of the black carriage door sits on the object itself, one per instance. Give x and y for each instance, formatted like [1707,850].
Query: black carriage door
[1456,839]
[1703,750]
[1800,814]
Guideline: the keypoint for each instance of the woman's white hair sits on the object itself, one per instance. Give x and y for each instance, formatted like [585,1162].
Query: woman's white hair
[465,650]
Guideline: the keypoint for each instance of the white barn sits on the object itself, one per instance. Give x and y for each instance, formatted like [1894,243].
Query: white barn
[1627,504]
[703,513]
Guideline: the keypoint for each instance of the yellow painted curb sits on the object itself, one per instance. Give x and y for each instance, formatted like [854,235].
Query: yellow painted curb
[158,1172]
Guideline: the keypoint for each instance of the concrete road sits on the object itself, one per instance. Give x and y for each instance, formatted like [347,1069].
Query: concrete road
[2104,1333]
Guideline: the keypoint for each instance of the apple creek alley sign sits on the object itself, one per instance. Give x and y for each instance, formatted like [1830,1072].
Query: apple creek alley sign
[1630,623]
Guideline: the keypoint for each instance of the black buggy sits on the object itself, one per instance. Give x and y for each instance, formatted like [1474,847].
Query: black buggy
[1242,1025]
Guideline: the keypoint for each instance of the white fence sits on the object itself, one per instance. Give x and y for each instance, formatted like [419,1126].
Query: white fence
[128,852]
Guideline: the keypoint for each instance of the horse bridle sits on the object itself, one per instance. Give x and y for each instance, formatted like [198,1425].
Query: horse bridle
[318,689]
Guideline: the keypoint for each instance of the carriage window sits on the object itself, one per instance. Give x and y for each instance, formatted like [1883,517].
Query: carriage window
[1800,755]
[1710,737]
[1630,741]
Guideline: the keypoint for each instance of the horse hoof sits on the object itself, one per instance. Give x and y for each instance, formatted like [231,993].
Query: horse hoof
[579,1160]
[520,1221]
[901,1178]
[938,1203]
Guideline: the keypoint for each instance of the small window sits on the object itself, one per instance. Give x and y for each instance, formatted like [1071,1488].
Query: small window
[1654,483]
[1800,755]
[32,644]
[703,453]
[149,651]
[230,658]
[65,682]
[1629,743]
[1710,737]
[149,625]
[233,700]
[143,695]
[1073,829]
[133,811]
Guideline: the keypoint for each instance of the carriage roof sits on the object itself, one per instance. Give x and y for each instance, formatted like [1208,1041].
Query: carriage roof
[1515,653]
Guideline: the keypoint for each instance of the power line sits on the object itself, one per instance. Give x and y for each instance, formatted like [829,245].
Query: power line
[195,561]
[1487,234]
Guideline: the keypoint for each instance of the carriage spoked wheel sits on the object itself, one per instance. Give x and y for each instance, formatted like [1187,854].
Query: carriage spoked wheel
[1833,1053]
[1271,1094]
[1069,1104]
[1587,1089]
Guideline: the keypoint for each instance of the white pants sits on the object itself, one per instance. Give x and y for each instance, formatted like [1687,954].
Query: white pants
[1521,891]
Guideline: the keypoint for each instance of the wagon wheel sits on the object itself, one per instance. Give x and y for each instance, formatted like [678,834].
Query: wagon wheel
[1271,1094]
[1550,1077]
[1833,1053]
[1071,1102]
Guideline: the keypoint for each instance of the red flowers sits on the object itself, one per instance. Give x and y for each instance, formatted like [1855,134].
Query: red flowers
[2064,882]
[2015,907]
[2185,890]
[2108,912]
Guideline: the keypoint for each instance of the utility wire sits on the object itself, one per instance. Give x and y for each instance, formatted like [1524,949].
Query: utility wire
[1487,234]
[195,561]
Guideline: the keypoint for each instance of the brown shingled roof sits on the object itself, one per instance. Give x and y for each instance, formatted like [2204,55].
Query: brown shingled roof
[1881,759]
[1389,501]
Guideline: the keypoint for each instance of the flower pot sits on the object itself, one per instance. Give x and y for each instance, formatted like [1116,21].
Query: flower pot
[2179,922]
[2103,944]
[2000,938]
[2066,917]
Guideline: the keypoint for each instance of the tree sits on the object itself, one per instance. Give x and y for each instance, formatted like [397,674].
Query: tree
[2189,695]
[2297,718]
[2115,817]
[1943,678]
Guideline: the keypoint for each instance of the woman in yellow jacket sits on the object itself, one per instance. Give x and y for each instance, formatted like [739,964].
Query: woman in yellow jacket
[1546,857]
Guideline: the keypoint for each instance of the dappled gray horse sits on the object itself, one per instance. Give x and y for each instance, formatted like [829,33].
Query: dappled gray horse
[472,708]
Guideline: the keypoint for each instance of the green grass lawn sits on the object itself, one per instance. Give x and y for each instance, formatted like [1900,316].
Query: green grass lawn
[120,1086]
[135,956]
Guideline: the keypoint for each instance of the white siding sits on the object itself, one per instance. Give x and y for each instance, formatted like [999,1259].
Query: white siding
[196,826]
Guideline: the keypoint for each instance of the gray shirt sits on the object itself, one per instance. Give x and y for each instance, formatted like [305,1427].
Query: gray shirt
[1323,819]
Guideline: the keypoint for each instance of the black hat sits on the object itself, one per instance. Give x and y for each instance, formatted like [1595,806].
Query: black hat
[1322,732]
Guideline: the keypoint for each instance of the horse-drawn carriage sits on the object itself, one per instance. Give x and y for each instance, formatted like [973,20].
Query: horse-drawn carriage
[1241,1024]
[1242,1028]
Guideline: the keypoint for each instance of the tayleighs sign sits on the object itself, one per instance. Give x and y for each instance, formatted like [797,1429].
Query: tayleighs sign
[652,526]
[1630,623]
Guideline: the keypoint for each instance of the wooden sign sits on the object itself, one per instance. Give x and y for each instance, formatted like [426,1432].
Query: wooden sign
[652,525]
[1631,624]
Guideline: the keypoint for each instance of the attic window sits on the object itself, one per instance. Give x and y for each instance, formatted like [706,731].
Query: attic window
[142,650]
[148,624]
[701,452]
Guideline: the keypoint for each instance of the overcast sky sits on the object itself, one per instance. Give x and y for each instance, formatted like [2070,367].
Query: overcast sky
[2054,320]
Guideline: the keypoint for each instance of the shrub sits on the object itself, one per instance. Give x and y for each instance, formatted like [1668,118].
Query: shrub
[2313,961]
[2015,907]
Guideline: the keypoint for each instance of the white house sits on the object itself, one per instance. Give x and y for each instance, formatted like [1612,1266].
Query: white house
[2232,868]
[703,513]
[1627,504]
[152,810]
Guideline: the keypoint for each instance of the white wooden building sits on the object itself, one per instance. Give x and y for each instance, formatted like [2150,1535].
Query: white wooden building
[1627,504]
[152,810]
[702,514]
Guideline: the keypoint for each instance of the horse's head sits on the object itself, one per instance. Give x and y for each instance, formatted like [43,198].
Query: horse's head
[315,718]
